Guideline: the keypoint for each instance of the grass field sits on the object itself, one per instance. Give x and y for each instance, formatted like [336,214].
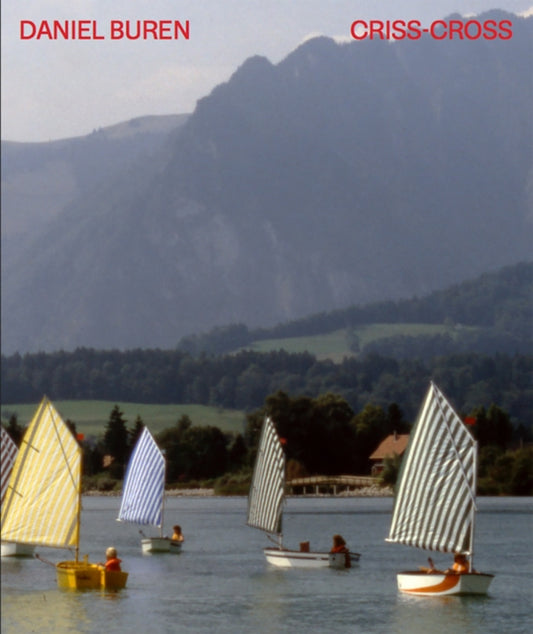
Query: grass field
[91,417]
[335,345]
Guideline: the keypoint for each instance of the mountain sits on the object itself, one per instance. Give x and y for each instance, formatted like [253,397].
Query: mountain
[40,179]
[347,173]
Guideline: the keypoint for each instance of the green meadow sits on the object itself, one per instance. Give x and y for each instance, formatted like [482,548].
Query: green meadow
[91,417]
[336,345]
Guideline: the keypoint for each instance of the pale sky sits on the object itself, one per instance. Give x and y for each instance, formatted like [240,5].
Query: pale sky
[58,89]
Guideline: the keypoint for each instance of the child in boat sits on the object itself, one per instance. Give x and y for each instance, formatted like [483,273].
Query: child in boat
[177,536]
[112,561]
[339,546]
[460,564]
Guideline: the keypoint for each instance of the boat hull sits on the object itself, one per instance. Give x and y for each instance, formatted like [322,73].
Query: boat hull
[160,545]
[14,549]
[283,558]
[438,584]
[81,575]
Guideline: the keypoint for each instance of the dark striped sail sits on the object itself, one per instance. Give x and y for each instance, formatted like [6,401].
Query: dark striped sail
[144,485]
[435,501]
[265,500]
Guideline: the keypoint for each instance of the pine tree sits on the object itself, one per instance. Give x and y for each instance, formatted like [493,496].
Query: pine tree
[116,437]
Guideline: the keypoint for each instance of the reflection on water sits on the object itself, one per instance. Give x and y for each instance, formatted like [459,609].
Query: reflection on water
[423,615]
[50,611]
[221,582]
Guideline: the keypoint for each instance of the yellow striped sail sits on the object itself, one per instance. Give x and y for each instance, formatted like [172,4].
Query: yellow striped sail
[42,503]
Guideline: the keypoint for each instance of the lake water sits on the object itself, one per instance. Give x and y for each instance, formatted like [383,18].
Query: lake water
[221,583]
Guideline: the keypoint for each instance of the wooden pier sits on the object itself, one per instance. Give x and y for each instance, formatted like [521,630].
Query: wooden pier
[329,485]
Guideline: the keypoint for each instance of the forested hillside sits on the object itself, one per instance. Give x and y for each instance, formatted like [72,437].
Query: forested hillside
[492,309]
[244,380]
[496,308]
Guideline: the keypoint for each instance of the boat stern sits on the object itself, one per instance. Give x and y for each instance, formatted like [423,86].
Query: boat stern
[113,579]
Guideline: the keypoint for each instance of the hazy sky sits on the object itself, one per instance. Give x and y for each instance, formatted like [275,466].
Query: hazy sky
[55,89]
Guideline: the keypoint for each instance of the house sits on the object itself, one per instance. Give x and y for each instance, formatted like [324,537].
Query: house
[395,444]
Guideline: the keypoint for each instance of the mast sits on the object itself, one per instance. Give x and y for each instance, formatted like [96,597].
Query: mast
[163,453]
[78,516]
[473,517]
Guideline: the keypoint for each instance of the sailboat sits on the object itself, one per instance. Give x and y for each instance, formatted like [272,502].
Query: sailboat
[144,493]
[43,499]
[436,500]
[8,454]
[265,508]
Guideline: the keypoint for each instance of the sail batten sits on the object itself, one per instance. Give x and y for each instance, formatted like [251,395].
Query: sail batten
[144,485]
[265,500]
[435,501]
[42,501]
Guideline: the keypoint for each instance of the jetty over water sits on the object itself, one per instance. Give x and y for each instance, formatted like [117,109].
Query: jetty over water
[329,485]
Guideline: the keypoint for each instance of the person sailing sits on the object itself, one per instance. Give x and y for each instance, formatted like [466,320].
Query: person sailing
[339,546]
[112,561]
[177,535]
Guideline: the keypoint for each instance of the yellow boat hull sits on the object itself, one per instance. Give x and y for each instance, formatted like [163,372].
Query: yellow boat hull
[81,575]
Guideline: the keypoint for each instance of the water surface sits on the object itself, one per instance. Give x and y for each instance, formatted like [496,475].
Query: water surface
[221,583]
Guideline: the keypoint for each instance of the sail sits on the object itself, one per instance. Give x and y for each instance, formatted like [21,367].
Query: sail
[42,503]
[435,500]
[9,452]
[265,500]
[144,485]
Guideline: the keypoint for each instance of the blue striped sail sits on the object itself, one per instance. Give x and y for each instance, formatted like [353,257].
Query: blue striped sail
[435,500]
[265,500]
[144,485]
[9,452]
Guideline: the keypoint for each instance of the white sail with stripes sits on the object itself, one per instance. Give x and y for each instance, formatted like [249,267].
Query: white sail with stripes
[144,485]
[8,454]
[435,500]
[265,500]
[42,502]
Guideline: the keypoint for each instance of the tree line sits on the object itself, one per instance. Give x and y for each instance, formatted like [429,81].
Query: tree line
[244,380]
[320,435]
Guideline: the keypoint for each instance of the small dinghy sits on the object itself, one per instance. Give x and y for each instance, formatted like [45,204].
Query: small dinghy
[143,498]
[265,508]
[43,500]
[436,500]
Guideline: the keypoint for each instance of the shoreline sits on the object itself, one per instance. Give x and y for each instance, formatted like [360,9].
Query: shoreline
[361,492]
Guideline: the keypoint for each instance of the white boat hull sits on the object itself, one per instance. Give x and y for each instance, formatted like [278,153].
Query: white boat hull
[160,545]
[438,584]
[283,558]
[14,549]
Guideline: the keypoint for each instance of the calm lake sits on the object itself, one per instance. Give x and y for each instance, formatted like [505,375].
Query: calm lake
[221,583]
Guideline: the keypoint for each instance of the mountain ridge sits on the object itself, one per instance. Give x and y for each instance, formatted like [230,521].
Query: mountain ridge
[344,174]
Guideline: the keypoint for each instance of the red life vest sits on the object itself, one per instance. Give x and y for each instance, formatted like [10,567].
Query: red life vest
[113,564]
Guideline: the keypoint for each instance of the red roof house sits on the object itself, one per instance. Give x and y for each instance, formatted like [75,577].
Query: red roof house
[393,445]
